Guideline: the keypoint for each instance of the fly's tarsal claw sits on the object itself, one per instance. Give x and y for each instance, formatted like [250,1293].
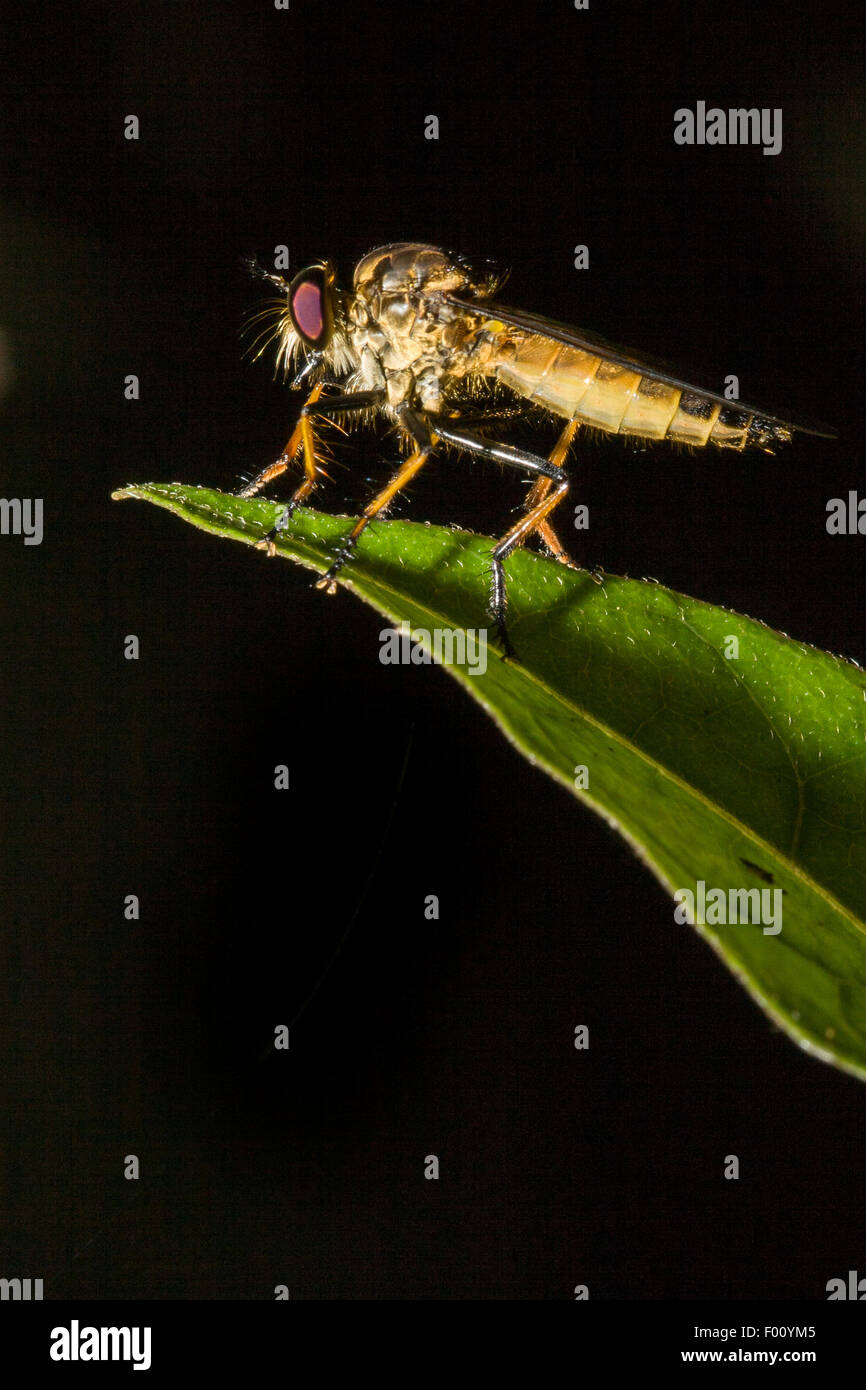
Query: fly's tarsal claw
[267,543]
[329,585]
[508,652]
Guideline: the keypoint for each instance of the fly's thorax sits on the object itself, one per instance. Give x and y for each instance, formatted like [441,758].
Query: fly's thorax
[408,338]
[409,266]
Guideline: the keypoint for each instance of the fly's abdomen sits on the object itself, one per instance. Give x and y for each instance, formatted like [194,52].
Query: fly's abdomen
[579,385]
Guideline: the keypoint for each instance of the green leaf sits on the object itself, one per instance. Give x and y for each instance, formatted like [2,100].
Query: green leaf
[743,772]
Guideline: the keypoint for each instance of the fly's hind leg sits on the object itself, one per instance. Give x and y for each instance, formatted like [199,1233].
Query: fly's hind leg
[534,520]
[538,492]
[551,486]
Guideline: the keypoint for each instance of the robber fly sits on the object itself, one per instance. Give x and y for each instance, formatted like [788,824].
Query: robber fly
[420,334]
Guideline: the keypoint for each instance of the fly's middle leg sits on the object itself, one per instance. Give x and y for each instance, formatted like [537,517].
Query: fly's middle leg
[418,430]
[405,473]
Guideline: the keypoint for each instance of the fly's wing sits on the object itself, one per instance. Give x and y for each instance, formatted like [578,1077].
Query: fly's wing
[623,357]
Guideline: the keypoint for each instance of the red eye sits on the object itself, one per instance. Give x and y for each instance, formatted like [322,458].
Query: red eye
[309,307]
[307,310]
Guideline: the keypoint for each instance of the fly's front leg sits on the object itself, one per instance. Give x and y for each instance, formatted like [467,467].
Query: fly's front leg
[303,438]
[280,464]
[424,440]
[550,475]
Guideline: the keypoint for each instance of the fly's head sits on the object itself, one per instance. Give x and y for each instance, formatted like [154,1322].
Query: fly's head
[308,320]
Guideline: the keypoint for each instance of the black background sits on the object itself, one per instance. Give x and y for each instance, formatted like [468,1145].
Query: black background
[154,777]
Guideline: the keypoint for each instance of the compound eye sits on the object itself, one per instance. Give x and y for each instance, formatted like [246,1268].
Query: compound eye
[309,307]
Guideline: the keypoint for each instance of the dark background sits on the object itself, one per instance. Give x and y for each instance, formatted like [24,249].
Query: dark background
[155,777]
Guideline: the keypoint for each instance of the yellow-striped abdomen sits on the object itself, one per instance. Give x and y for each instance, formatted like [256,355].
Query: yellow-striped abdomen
[580,385]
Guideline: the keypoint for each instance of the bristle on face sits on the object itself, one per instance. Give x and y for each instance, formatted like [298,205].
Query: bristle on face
[272,323]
